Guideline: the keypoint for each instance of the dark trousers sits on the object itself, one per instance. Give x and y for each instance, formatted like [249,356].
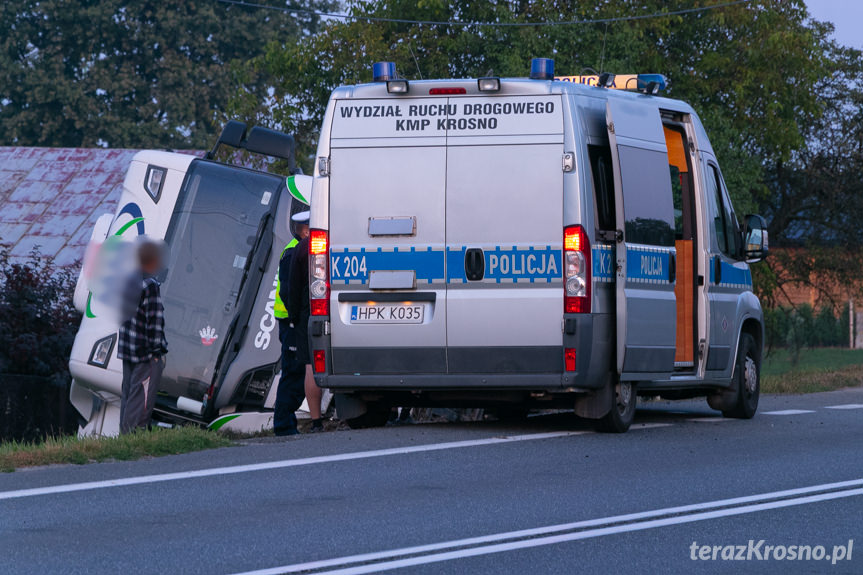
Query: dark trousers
[291,392]
[139,389]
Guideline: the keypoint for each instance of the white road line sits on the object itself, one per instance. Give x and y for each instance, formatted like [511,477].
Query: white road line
[846,406]
[71,487]
[788,412]
[643,520]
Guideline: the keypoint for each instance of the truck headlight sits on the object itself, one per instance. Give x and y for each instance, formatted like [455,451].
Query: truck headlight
[101,352]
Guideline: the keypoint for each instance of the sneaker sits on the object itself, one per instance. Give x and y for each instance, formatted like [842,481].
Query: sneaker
[317,426]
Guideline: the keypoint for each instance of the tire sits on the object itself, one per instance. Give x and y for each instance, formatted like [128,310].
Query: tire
[375,416]
[622,412]
[746,380]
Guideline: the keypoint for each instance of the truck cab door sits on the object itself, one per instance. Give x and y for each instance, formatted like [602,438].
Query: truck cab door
[645,277]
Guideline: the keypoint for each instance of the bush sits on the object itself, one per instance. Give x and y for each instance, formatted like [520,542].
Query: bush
[38,322]
[795,328]
[38,319]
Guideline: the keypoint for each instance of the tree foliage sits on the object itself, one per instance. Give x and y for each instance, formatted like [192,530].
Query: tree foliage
[127,73]
[780,100]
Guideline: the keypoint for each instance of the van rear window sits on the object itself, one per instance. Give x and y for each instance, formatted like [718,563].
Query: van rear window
[603,185]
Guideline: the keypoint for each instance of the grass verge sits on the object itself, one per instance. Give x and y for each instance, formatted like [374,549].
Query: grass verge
[70,449]
[820,369]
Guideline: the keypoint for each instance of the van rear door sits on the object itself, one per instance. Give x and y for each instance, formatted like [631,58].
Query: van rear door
[504,228]
[646,304]
[387,193]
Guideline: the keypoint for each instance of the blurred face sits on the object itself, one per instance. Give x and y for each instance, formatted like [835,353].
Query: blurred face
[151,267]
[303,231]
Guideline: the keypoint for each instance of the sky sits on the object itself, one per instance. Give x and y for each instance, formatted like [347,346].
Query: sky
[846,16]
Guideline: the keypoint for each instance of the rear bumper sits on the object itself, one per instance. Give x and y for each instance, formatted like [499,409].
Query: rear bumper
[533,381]
[513,368]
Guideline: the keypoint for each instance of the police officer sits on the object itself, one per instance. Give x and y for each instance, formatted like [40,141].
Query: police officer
[298,308]
[291,391]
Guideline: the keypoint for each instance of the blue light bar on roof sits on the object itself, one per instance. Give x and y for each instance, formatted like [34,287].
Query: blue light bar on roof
[383,71]
[652,83]
[542,69]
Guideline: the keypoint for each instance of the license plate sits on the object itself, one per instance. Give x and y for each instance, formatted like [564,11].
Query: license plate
[387,313]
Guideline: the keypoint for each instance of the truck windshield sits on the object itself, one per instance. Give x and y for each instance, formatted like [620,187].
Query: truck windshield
[211,236]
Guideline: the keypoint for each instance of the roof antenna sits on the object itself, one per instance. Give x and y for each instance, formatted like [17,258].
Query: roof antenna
[602,56]
[415,61]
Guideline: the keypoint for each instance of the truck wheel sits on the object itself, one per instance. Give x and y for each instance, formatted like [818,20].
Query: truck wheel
[622,411]
[746,380]
[375,416]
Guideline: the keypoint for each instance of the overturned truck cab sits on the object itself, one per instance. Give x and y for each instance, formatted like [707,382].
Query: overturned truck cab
[224,227]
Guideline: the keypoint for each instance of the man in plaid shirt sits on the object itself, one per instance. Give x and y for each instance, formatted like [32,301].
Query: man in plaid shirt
[142,345]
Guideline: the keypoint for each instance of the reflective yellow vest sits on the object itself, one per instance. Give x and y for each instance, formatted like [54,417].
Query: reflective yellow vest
[279,309]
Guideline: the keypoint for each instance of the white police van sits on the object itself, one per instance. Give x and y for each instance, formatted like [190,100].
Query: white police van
[527,243]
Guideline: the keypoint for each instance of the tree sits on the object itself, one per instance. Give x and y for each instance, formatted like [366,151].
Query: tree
[748,69]
[780,100]
[123,73]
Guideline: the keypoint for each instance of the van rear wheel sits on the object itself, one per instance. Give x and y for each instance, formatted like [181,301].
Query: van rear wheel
[622,412]
[375,416]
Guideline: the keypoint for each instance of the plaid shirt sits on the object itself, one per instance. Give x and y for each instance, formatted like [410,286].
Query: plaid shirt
[142,337]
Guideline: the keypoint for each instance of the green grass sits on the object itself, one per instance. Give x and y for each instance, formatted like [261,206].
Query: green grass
[70,449]
[820,369]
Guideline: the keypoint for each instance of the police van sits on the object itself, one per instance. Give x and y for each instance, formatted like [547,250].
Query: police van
[527,243]
[224,227]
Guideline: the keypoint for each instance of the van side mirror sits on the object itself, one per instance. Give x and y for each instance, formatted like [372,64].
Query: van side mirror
[755,244]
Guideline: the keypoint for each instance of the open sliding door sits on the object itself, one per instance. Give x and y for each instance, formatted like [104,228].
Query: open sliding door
[646,304]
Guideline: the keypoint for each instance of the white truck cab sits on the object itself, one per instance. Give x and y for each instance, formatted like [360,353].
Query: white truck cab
[224,227]
[520,243]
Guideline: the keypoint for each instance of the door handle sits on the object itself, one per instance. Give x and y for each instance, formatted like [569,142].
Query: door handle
[474,264]
[717,270]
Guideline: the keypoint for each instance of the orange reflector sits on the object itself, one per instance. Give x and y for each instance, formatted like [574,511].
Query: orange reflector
[320,361]
[569,358]
[318,242]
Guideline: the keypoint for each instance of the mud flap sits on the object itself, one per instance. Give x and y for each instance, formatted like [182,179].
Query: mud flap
[725,399]
[596,404]
[349,406]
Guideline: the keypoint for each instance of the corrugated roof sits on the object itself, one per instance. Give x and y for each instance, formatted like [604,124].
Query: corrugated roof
[50,198]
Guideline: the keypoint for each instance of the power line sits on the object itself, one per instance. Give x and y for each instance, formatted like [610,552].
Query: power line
[287,9]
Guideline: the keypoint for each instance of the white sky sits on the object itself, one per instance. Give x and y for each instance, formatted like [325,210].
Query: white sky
[846,16]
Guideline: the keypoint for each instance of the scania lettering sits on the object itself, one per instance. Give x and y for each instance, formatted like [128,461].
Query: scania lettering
[224,227]
[268,320]
[569,243]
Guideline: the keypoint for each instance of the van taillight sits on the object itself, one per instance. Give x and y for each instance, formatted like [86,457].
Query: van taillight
[319,272]
[576,270]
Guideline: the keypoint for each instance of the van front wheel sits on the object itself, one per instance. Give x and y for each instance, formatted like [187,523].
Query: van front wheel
[747,380]
[622,412]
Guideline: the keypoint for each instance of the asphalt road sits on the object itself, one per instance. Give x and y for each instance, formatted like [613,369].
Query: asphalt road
[544,496]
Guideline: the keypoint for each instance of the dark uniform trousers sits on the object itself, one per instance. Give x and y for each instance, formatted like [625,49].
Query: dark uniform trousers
[291,392]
